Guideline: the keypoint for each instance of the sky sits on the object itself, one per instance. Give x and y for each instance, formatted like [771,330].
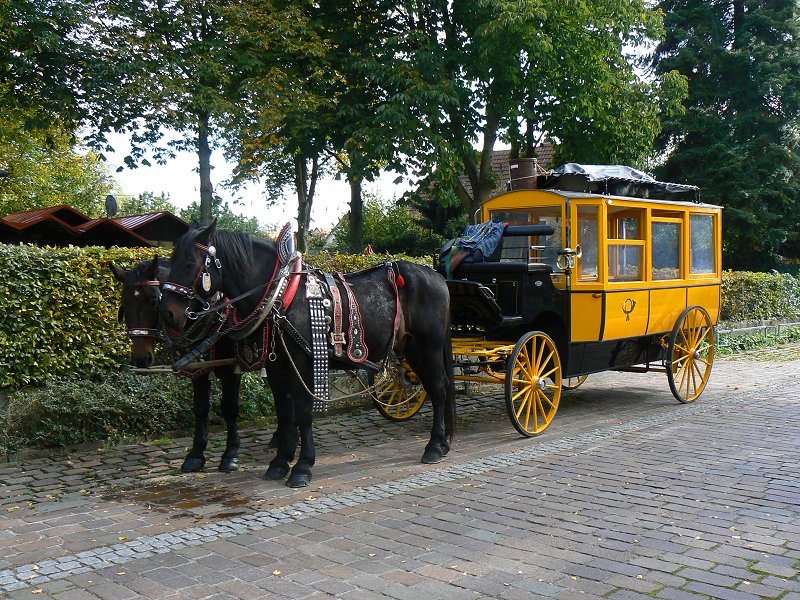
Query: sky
[179,179]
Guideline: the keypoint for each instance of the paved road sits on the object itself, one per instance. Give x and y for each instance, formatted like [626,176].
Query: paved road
[627,495]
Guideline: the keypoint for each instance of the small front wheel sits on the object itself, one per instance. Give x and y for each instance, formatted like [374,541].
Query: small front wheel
[533,383]
[690,354]
[573,383]
[400,395]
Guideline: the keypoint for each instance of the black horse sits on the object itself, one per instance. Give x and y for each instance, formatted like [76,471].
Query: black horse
[403,307]
[141,291]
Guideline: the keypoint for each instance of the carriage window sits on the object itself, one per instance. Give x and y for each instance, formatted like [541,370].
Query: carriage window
[666,249]
[535,249]
[702,248]
[625,244]
[588,241]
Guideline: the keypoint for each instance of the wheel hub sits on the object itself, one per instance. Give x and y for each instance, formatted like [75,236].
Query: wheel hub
[542,383]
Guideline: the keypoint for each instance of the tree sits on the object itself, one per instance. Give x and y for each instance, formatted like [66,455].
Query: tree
[281,132]
[173,71]
[146,202]
[226,218]
[44,169]
[43,63]
[390,227]
[739,137]
[489,69]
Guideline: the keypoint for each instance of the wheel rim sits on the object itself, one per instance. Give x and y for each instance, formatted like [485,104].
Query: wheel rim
[691,354]
[400,395]
[533,383]
[573,383]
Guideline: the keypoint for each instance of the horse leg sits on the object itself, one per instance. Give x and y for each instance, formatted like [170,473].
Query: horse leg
[231,383]
[432,370]
[286,431]
[195,460]
[301,471]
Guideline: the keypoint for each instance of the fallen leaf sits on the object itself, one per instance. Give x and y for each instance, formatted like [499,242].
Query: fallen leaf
[276,572]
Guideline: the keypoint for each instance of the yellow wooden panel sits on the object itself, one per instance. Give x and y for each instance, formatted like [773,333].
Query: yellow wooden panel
[626,314]
[706,296]
[586,316]
[666,306]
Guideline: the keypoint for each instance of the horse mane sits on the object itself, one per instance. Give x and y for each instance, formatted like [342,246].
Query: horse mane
[234,249]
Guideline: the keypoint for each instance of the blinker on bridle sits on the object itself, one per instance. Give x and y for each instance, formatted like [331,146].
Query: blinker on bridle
[204,277]
[144,331]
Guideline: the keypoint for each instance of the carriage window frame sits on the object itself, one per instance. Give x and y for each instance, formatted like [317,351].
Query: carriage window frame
[619,222]
[711,250]
[591,249]
[657,251]
[542,250]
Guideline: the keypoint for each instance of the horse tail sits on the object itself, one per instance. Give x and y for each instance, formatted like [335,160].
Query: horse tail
[450,384]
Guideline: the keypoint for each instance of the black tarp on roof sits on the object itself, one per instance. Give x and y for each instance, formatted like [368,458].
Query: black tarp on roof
[615,180]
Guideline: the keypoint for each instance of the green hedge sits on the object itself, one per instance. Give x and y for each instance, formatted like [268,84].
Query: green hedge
[750,296]
[58,309]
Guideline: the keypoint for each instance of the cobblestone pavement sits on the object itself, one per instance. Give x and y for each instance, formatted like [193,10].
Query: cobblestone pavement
[628,494]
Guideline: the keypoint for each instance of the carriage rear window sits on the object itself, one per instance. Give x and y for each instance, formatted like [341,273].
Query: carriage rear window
[666,250]
[702,248]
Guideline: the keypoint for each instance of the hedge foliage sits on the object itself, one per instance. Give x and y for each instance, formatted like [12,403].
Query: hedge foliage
[67,412]
[58,312]
[58,307]
[748,296]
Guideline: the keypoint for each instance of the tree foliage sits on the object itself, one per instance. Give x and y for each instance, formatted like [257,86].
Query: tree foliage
[500,71]
[44,169]
[738,138]
[390,227]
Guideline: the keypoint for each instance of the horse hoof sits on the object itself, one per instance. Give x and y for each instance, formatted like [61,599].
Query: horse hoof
[298,480]
[193,465]
[276,473]
[431,457]
[229,464]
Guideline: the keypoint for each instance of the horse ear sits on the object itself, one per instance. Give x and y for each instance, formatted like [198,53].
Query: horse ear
[151,271]
[195,224]
[206,233]
[118,272]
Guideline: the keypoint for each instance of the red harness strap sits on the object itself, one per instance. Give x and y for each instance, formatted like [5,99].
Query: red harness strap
[357,350]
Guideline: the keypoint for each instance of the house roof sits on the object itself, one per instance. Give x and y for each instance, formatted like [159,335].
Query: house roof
[500,166]
[64,224]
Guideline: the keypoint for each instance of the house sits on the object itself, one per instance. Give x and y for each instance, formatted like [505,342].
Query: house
[64,225]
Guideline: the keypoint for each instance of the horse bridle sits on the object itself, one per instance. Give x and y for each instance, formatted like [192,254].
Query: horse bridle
[145,332]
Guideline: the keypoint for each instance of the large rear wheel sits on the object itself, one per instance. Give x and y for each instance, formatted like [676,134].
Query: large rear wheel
[533,383]
[400,395]
[690,354]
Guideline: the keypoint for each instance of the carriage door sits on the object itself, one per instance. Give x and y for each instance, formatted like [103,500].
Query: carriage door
[586,298]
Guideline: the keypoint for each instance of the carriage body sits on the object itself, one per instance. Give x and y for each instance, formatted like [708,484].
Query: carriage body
[642,263]
[622,282]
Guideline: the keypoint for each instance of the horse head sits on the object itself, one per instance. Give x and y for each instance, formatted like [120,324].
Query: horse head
[139,309]
[209,264]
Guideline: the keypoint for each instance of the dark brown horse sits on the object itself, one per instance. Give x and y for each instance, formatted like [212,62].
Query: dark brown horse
[141,292]
[402,307]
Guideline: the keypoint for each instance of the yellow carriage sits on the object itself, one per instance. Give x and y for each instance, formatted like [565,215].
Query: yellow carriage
[598,268]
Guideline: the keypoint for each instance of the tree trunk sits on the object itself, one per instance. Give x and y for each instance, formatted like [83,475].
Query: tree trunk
[204,153]
[305,184]
[303,202]
[480,175]
[356,217]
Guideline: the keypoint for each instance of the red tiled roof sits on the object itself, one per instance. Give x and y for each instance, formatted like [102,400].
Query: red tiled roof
[500,161]
[79,228]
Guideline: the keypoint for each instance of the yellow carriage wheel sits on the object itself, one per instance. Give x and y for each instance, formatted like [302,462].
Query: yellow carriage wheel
[573,383]
[400,395]
[690,354]
[533,383]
